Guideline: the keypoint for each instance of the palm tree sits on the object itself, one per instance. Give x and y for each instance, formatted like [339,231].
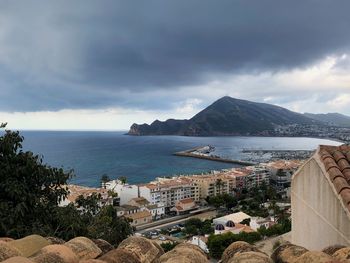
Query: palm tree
[219,183]
[122,179]
[275,208]
[104,179]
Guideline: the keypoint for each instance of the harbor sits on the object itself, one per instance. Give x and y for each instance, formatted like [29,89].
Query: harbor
[204,152]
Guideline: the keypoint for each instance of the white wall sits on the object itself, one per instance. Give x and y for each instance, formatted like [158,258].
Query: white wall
[124,191]
[318,217]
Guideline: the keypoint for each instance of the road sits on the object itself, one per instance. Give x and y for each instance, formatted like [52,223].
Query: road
[202,216]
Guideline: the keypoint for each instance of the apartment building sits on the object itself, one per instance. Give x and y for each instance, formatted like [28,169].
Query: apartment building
[169,190]
[281,172]
[213,184]
[257,175]
[247,177]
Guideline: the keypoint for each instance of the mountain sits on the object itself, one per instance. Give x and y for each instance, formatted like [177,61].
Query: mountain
[226,116]
[334,119]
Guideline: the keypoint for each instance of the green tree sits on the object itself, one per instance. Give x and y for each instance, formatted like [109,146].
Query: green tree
[218,243]
[206,228]
[30,190]
[89,204]
[192,226]
[106,225]
[216,201]
[167,246]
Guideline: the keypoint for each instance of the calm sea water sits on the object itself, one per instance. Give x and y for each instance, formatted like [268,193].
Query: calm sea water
[141,159]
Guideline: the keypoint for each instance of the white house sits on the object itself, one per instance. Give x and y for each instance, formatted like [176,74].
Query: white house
[125,191]
[157,210]
[257,222]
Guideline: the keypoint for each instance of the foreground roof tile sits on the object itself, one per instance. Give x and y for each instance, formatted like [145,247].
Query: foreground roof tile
[336,161]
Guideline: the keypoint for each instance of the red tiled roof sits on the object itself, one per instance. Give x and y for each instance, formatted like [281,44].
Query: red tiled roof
[336,160]
[179,208]
[186,201]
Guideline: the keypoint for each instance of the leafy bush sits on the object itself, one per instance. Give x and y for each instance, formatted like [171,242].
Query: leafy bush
[195,226]
[218,243]
[167,246]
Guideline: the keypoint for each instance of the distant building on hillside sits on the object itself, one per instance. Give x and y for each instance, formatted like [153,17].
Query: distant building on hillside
[321,199]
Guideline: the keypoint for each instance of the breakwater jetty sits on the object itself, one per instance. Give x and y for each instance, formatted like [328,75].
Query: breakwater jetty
[203,153]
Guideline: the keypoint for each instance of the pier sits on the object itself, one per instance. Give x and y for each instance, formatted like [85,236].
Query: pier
[196,153]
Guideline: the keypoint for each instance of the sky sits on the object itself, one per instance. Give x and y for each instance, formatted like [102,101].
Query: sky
[105,64]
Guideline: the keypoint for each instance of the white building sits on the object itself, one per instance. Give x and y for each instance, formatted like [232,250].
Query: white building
[257,222]
[235,218]
[157,210]
[125,191]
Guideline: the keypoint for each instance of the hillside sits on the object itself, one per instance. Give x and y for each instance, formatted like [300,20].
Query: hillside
[334,119]
[226,116]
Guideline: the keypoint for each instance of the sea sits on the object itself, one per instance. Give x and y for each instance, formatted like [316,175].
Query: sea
[141,159]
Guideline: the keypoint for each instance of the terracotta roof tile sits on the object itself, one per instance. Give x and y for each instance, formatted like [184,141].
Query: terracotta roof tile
[346,174]
[336,161]
[345,194]
[325,154]
[330,163]
[186,201]
[334,173]
[340,184]
[343,164]
[348,155]
[338,155]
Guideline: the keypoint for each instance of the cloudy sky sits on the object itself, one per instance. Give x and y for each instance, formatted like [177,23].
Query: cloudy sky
[105,64]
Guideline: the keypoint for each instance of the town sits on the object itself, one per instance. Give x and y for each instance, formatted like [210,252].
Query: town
[189,208]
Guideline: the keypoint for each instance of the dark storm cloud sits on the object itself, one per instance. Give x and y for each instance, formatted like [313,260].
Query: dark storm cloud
[91,54]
